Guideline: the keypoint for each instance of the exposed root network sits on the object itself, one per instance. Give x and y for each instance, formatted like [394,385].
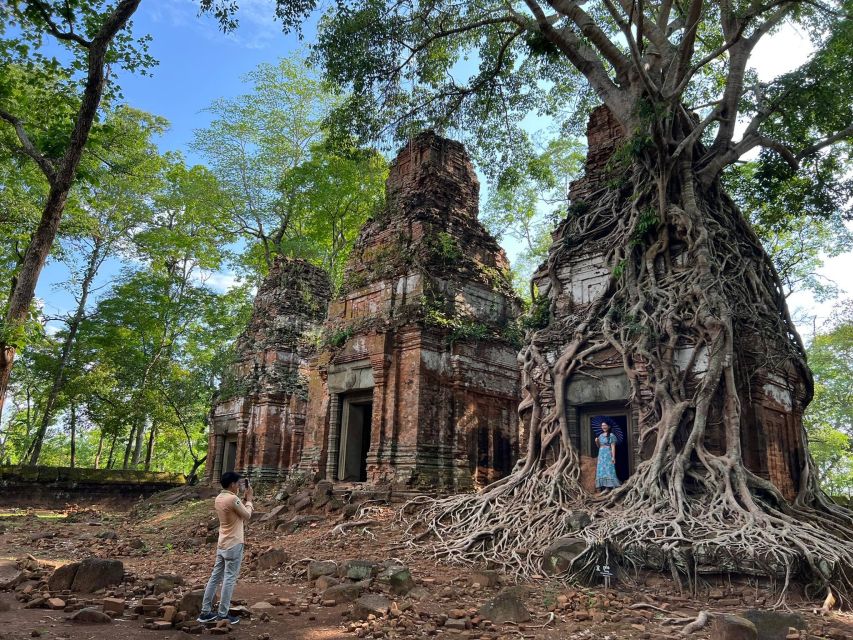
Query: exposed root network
[685,269]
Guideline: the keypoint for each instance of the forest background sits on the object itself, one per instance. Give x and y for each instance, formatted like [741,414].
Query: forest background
[209,157]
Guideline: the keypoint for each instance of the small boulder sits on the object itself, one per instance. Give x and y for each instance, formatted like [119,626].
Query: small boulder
[558,557]
[398,577]
[63,577]
[96,573]
[324,582]
[90,615]
[507,606]
[273,557]
[731,627]
[263,605]
[10,575]
[113,605]
[371,603]
[275,513]
[774,625]
[317,568]
[346,592]
[358,569]
[191,602]
[166,582]
[107,535]
[577,520]
[57,604]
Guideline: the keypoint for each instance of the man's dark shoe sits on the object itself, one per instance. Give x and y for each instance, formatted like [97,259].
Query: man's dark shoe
[204,618]
[231,619]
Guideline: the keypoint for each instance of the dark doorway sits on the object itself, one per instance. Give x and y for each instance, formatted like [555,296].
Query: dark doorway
[355,440]
[620,423]
[230,456]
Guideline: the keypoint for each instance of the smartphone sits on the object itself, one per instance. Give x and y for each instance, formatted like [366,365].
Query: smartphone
[245,483]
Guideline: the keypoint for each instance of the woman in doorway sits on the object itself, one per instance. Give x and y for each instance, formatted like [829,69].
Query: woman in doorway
[605,470]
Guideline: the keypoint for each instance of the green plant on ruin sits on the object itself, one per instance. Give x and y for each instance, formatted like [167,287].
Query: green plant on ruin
[338,337]
[444,248]
[538,315]
[648,221]
[619,269]
[466,329]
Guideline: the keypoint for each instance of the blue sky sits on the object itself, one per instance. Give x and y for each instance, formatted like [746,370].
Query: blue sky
[198,63]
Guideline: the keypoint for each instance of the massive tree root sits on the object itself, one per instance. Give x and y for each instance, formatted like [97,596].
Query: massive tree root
[685,270]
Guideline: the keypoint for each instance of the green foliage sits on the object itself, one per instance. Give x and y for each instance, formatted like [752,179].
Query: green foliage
[647,222]
[538,316]
[339,337]
[829,417]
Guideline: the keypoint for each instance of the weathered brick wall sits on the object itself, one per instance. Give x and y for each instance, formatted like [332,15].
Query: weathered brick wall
[420,270]
[262,401]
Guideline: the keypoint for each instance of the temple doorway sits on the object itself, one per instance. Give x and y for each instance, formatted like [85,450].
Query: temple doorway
[356,420]
[620,421]
[229,456]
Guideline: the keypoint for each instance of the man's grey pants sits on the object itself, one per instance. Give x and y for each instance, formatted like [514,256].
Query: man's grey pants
[225,570]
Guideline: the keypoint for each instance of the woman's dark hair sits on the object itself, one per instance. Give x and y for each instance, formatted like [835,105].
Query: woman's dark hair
[228,478]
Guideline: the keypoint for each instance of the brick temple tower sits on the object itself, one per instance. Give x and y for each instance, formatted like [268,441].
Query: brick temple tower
[772,393]
[417,381]
[259,415]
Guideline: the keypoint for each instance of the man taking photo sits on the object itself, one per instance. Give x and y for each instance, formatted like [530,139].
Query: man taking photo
[233,513]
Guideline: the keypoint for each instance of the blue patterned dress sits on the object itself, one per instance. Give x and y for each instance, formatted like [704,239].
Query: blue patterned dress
[605,470]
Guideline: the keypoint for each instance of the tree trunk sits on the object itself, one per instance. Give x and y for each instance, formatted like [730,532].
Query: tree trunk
[192,476]
[92,265]
[129,447]
[149,451]
[61,178]
[73,427]
[100,449]
[691,311]
[112,451]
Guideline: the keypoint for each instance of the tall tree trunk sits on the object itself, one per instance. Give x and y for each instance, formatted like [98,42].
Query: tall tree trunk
[92,265]
[60,176]
[100,449]
[110,458]
[149,452]
[129,447]
[73,427]
[139,443]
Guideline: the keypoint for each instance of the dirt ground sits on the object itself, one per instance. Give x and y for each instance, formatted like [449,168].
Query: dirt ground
[173,538]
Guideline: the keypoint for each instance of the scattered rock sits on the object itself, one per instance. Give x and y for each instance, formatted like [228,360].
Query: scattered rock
[399,578]
[113,605]
[57,604]
[136,543]
[324,582]
[557,558]
[97,573]
[577,520]
[358,569]
[107,535]
[294,524]
[731,627]
[507,606]
[261,606]
[63,577]
[484,578]
[10,575]
[90,615]
[319,568]
[774,625]
[371,603]
[166,582]
[191,602]
[272,557]
[346,592]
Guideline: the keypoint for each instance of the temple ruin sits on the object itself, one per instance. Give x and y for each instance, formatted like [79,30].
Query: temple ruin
[417,381]
[258,418]
[773,395]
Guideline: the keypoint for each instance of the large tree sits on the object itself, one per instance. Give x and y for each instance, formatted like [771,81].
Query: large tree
[676,75]
[85,38]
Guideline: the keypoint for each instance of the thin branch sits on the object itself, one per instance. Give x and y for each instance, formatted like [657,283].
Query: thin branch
[67,36]
[28,148]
